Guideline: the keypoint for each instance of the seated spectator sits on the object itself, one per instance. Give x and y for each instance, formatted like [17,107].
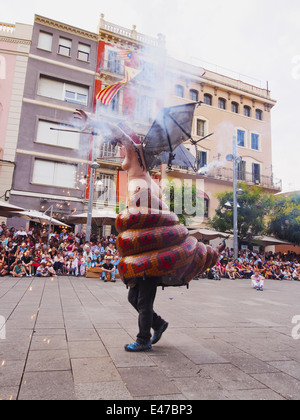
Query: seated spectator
[108,268]
[257,280]
[58,263]
[230,270]
[27,262]
[18,270]
[3,267]
[296,274]
[42,270]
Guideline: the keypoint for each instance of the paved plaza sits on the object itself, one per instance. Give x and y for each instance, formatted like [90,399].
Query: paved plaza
[63,338]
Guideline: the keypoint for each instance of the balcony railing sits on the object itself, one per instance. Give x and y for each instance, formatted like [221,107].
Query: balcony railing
[226,174]
[7,27]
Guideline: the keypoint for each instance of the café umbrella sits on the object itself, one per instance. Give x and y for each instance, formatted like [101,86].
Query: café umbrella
[7,209]
[100,217]
[39,217]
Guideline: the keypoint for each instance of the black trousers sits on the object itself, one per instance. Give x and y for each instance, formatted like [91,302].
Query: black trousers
[142,298]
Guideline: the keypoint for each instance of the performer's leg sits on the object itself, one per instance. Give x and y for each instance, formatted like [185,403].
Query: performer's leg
[142,298]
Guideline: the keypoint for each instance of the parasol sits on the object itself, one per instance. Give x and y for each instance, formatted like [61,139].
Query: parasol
[99,216]
[6,209]
[38,217]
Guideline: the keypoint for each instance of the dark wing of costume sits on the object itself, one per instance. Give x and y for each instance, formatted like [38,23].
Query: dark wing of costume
[172,127]
[181,157]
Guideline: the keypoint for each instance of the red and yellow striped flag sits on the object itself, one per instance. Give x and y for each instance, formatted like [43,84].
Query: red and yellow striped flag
[107,94]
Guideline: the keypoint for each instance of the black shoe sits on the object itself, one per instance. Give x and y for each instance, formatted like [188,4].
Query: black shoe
[158,333]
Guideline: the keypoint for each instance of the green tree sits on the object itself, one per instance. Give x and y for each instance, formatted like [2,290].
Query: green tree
[255,207]
[285,219]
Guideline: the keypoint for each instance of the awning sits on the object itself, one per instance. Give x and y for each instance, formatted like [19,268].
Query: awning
[206,234]
[268,240]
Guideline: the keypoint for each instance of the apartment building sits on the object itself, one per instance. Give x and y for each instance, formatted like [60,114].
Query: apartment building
[60,78]
[230,108]
[15,41]
[68,67]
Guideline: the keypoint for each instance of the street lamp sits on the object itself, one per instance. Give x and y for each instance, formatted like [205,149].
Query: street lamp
[94,166]
[236,160]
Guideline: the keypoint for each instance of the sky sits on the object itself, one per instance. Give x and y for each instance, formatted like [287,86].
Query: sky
[259,40]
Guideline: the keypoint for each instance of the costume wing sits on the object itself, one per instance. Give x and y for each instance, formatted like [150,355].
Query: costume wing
[171,128]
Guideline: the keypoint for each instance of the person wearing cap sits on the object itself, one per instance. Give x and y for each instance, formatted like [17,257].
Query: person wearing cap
[108,267]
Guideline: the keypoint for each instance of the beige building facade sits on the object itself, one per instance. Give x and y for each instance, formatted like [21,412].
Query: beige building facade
[230,108]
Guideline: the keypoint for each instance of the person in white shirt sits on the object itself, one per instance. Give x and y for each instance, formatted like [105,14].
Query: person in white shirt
[257,280]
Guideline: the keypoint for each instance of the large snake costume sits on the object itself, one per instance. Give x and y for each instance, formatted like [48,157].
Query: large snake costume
[151,241]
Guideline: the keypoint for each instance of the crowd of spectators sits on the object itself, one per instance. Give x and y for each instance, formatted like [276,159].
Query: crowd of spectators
[28,253]
[278,266]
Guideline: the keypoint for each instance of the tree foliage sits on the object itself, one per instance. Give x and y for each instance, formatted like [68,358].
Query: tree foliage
[183,199]
[255,207]
[285,219]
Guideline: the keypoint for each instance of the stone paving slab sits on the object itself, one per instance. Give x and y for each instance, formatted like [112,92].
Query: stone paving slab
[64,339]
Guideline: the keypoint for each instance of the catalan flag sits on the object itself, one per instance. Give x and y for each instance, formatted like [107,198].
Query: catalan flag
[107,94]
[124,55]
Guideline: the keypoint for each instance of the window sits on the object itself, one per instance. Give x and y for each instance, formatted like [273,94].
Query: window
[200,128]
[45,41]
[144,108]
[65,46]
[254,141]
[194,95]
[56,138]
[54,174]
[179,91]
[207,99]
[106,192]
[74,96]
[114,65]
[222,103]
[235,107]
[247,111]
[60,90]
[84,52]
[256,173]
[115,103]
[258,114]
[201,159]
[241,138]
[148,74]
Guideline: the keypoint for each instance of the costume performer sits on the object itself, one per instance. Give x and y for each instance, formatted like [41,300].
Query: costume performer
[155,249]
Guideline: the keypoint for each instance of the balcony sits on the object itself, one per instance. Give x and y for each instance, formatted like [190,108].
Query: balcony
[226,174]
[108,28]
[8,28]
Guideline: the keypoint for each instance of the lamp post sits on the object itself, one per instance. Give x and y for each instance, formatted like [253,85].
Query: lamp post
[236,160]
